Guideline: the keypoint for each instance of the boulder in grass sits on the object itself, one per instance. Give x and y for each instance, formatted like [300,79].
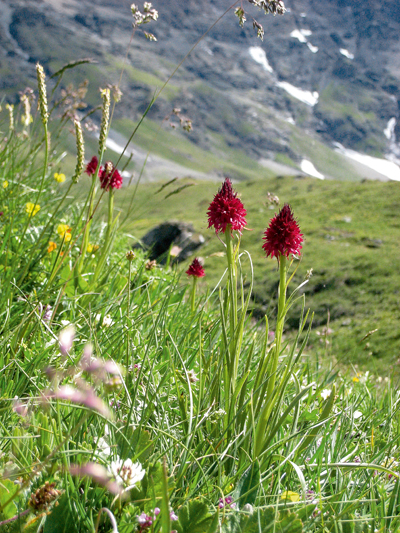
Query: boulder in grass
[180,237]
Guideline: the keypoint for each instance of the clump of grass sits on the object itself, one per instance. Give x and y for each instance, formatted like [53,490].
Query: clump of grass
[129,404]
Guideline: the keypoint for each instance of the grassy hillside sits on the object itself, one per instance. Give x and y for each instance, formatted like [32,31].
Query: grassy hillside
[352,235]
[127,399]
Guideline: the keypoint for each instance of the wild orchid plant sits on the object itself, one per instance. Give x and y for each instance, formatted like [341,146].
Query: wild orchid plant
[195,271]
[227,215]
[254,402]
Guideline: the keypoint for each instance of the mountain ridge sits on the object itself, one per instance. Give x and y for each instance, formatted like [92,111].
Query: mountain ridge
[344,51]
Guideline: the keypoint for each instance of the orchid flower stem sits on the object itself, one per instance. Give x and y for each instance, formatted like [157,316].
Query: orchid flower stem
[269,396]
[92,195]
[281,301]
[110,216]
[232,284]
[85,240]
[107,238]
[193,295]
[128,323]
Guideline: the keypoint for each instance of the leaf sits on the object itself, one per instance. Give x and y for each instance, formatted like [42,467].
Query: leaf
[259,521]
[290,523]
[7,489]
[134,443]
[262,521]
[152,485]
[60,520]
[246,490]
[306,511]
[165,516]
[194,518]
[349,524]
[233,523]
[309,416]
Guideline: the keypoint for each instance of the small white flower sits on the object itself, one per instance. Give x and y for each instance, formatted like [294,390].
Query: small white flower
[103,448]
[325,393]
[66,339]
[127,473]
[192,376]
[107,321]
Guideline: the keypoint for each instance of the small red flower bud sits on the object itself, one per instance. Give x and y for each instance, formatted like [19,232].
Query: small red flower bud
[226,209]
[196,269]
[283,237]
[91,166]
[110,177]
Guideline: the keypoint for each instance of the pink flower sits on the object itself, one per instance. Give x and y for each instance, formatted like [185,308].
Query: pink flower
[98,473]
[110,177]
[196,269]
[223,502]
[145,521]
[283,237]
[92,166]
[226,210]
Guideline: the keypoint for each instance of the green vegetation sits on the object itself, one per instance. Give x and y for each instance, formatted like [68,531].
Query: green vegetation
[130,402]
[352,247]
[348,110]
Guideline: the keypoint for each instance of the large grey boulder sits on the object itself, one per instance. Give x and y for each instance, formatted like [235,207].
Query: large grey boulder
[180,236]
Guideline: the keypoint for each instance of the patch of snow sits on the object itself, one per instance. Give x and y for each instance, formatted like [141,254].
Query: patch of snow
[308,168]
[389,130]
[112,145]
[302,35]
[290,120]
[387,168]
[259,56]
[346,53]
[297,34]
[307,97]
[314,49]
[303,15]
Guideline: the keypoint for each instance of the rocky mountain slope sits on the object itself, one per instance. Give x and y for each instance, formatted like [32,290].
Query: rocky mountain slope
[327,72]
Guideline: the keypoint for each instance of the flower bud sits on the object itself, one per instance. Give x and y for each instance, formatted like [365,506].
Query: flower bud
[41,79]
[80,147]
[105,94]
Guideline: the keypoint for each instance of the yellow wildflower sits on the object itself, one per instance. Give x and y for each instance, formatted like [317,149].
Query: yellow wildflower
[52,247]
[64,232]
[32,209]
[60,178]
[290,495]
[5,184]
[92,248]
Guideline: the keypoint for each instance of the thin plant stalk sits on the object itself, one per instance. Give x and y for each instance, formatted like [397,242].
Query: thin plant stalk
[107,239]
[268,403]
[128,315]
